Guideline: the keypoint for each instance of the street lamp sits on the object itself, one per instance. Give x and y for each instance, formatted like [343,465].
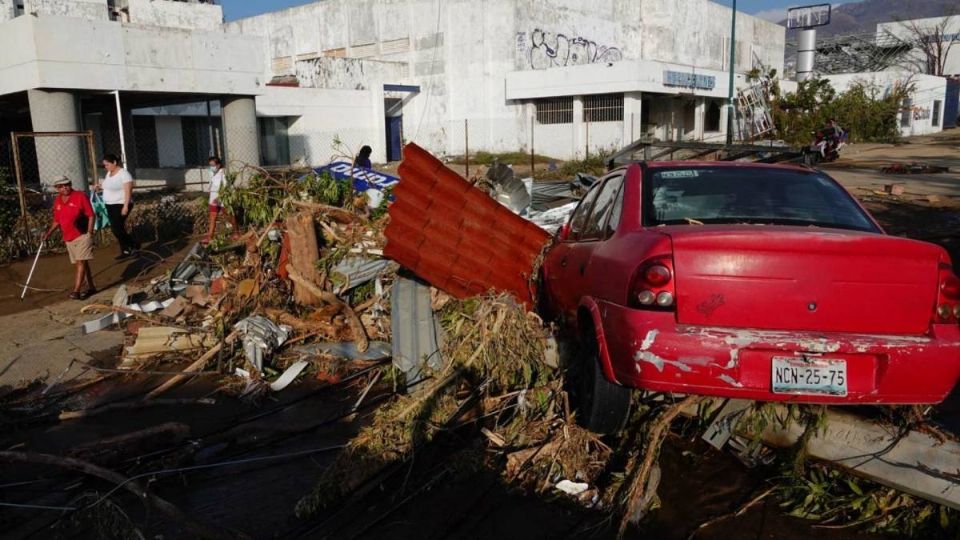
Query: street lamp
[733,48]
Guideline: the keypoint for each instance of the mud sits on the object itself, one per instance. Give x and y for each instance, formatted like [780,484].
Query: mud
[55,274]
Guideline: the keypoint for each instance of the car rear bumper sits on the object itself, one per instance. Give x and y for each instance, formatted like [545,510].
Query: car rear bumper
[649,350]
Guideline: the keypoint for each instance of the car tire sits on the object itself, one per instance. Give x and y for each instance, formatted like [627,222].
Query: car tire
[602,406]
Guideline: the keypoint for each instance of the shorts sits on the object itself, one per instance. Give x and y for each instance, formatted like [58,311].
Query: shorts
[215,208]
[80,249]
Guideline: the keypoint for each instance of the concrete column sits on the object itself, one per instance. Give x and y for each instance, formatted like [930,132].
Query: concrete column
[699,117]
[56,111]
[578,129]
[378,120]
[240,132]
[632,109]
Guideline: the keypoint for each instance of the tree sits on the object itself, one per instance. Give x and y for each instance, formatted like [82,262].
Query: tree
[931,40]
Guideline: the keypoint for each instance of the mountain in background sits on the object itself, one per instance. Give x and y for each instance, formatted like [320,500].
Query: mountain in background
[862,17]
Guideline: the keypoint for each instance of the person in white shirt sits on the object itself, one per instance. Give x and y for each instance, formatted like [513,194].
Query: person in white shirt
[117,186]
[215,166]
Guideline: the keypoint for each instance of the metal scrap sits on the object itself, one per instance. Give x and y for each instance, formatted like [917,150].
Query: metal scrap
[260,337]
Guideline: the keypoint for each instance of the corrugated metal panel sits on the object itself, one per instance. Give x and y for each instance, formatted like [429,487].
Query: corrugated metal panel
[415,330]
[455,236]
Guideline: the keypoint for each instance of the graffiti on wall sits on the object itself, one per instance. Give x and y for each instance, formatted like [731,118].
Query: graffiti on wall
[547,49]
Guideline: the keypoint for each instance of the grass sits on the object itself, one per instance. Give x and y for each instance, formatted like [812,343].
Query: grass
[508,158]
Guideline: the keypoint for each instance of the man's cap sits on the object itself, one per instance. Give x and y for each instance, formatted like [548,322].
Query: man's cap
[61,180]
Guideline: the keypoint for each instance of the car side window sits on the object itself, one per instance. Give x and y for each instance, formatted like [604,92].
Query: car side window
[615,213]
[594,228]
[579,218]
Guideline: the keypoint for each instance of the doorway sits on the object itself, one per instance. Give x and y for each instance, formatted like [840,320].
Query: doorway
[394,125]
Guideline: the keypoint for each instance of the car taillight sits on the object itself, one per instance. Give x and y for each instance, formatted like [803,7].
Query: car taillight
[652,286]
[948,297]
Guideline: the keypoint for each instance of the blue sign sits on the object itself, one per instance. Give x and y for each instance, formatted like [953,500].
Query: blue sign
[689,80]
[363,178]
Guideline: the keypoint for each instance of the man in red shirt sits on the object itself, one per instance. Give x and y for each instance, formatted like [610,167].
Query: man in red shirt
[73,215]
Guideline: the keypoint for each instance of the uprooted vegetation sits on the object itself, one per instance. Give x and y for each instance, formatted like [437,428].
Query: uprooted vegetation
[498,403]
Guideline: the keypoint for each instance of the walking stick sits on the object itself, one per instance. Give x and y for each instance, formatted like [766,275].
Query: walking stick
[32,268]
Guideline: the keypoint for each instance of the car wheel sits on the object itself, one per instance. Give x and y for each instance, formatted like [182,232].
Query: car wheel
[602,406]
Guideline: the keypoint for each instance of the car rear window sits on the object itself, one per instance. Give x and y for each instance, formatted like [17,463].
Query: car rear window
[749,195]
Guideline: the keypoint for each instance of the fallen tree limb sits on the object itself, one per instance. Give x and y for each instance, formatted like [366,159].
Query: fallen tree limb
[359,333]
[168,509]
[130,405]
[338,214]
[638,480]
[194,367]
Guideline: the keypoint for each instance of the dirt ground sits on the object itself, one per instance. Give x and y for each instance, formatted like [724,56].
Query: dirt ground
[255,460]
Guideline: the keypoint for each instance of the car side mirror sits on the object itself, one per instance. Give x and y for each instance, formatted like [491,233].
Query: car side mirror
[564,232]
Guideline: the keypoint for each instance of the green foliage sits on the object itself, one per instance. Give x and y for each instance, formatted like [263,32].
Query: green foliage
[265,197]
[864,110]
[834,497]
[595,164]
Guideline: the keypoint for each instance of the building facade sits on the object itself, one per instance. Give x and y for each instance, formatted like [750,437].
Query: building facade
[167,83]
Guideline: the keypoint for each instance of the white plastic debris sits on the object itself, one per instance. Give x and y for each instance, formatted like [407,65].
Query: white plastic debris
[572,488]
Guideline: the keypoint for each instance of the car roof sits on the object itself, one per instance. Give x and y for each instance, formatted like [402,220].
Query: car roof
[724,165]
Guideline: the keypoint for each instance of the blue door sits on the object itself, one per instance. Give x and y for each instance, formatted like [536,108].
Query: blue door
[951,109]
[394,138]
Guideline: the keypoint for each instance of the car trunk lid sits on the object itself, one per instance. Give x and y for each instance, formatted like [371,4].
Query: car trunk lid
[792,278]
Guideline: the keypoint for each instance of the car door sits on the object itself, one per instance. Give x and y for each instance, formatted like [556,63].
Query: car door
[555,265]
[575,264]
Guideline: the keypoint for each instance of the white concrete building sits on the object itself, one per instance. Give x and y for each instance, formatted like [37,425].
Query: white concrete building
[65,63]
[947,27]
[565,76]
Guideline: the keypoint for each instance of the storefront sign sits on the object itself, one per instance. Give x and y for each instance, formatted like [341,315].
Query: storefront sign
[363,179]
[689,80]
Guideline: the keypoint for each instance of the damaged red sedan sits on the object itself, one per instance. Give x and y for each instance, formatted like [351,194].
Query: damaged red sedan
[744,280]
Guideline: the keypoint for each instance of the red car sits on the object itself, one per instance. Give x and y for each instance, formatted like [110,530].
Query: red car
[745,280]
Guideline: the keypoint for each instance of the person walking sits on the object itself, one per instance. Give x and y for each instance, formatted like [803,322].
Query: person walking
[215,207]
[117,186]
[73,215]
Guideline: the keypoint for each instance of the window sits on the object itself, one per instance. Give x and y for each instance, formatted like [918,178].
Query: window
[711,121]
[936,114]
[274,142]
[906,114]
[743,195]
[593,230]
[200,139]
[603,108]
[579,218]
[145,137]
[615,213]
[554,110]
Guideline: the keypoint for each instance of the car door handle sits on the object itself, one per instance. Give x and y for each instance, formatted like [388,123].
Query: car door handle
[583,267]
[563,262]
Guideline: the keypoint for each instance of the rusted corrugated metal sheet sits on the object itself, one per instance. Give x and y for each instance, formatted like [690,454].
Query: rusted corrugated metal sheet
[455,236]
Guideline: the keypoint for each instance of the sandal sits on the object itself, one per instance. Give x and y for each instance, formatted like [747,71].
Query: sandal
[77,295]
[88,293]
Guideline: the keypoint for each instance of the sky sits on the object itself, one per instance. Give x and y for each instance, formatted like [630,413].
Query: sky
[774,10]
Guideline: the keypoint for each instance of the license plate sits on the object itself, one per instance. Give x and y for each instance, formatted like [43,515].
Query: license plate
[800,375]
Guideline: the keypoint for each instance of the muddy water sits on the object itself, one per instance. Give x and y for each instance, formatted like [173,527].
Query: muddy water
[55,272]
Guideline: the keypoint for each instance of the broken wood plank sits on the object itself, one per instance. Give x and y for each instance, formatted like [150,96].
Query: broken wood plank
[130,405]
[915,463]
[156,339]
[114,449]
[304,252]
[194,367]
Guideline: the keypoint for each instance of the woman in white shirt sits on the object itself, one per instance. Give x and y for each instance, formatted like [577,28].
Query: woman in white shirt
[117,186]
[215,166]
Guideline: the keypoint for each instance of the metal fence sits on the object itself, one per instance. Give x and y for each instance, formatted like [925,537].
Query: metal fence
[39,157]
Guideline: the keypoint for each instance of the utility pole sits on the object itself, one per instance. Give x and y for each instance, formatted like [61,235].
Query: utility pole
[733,57]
